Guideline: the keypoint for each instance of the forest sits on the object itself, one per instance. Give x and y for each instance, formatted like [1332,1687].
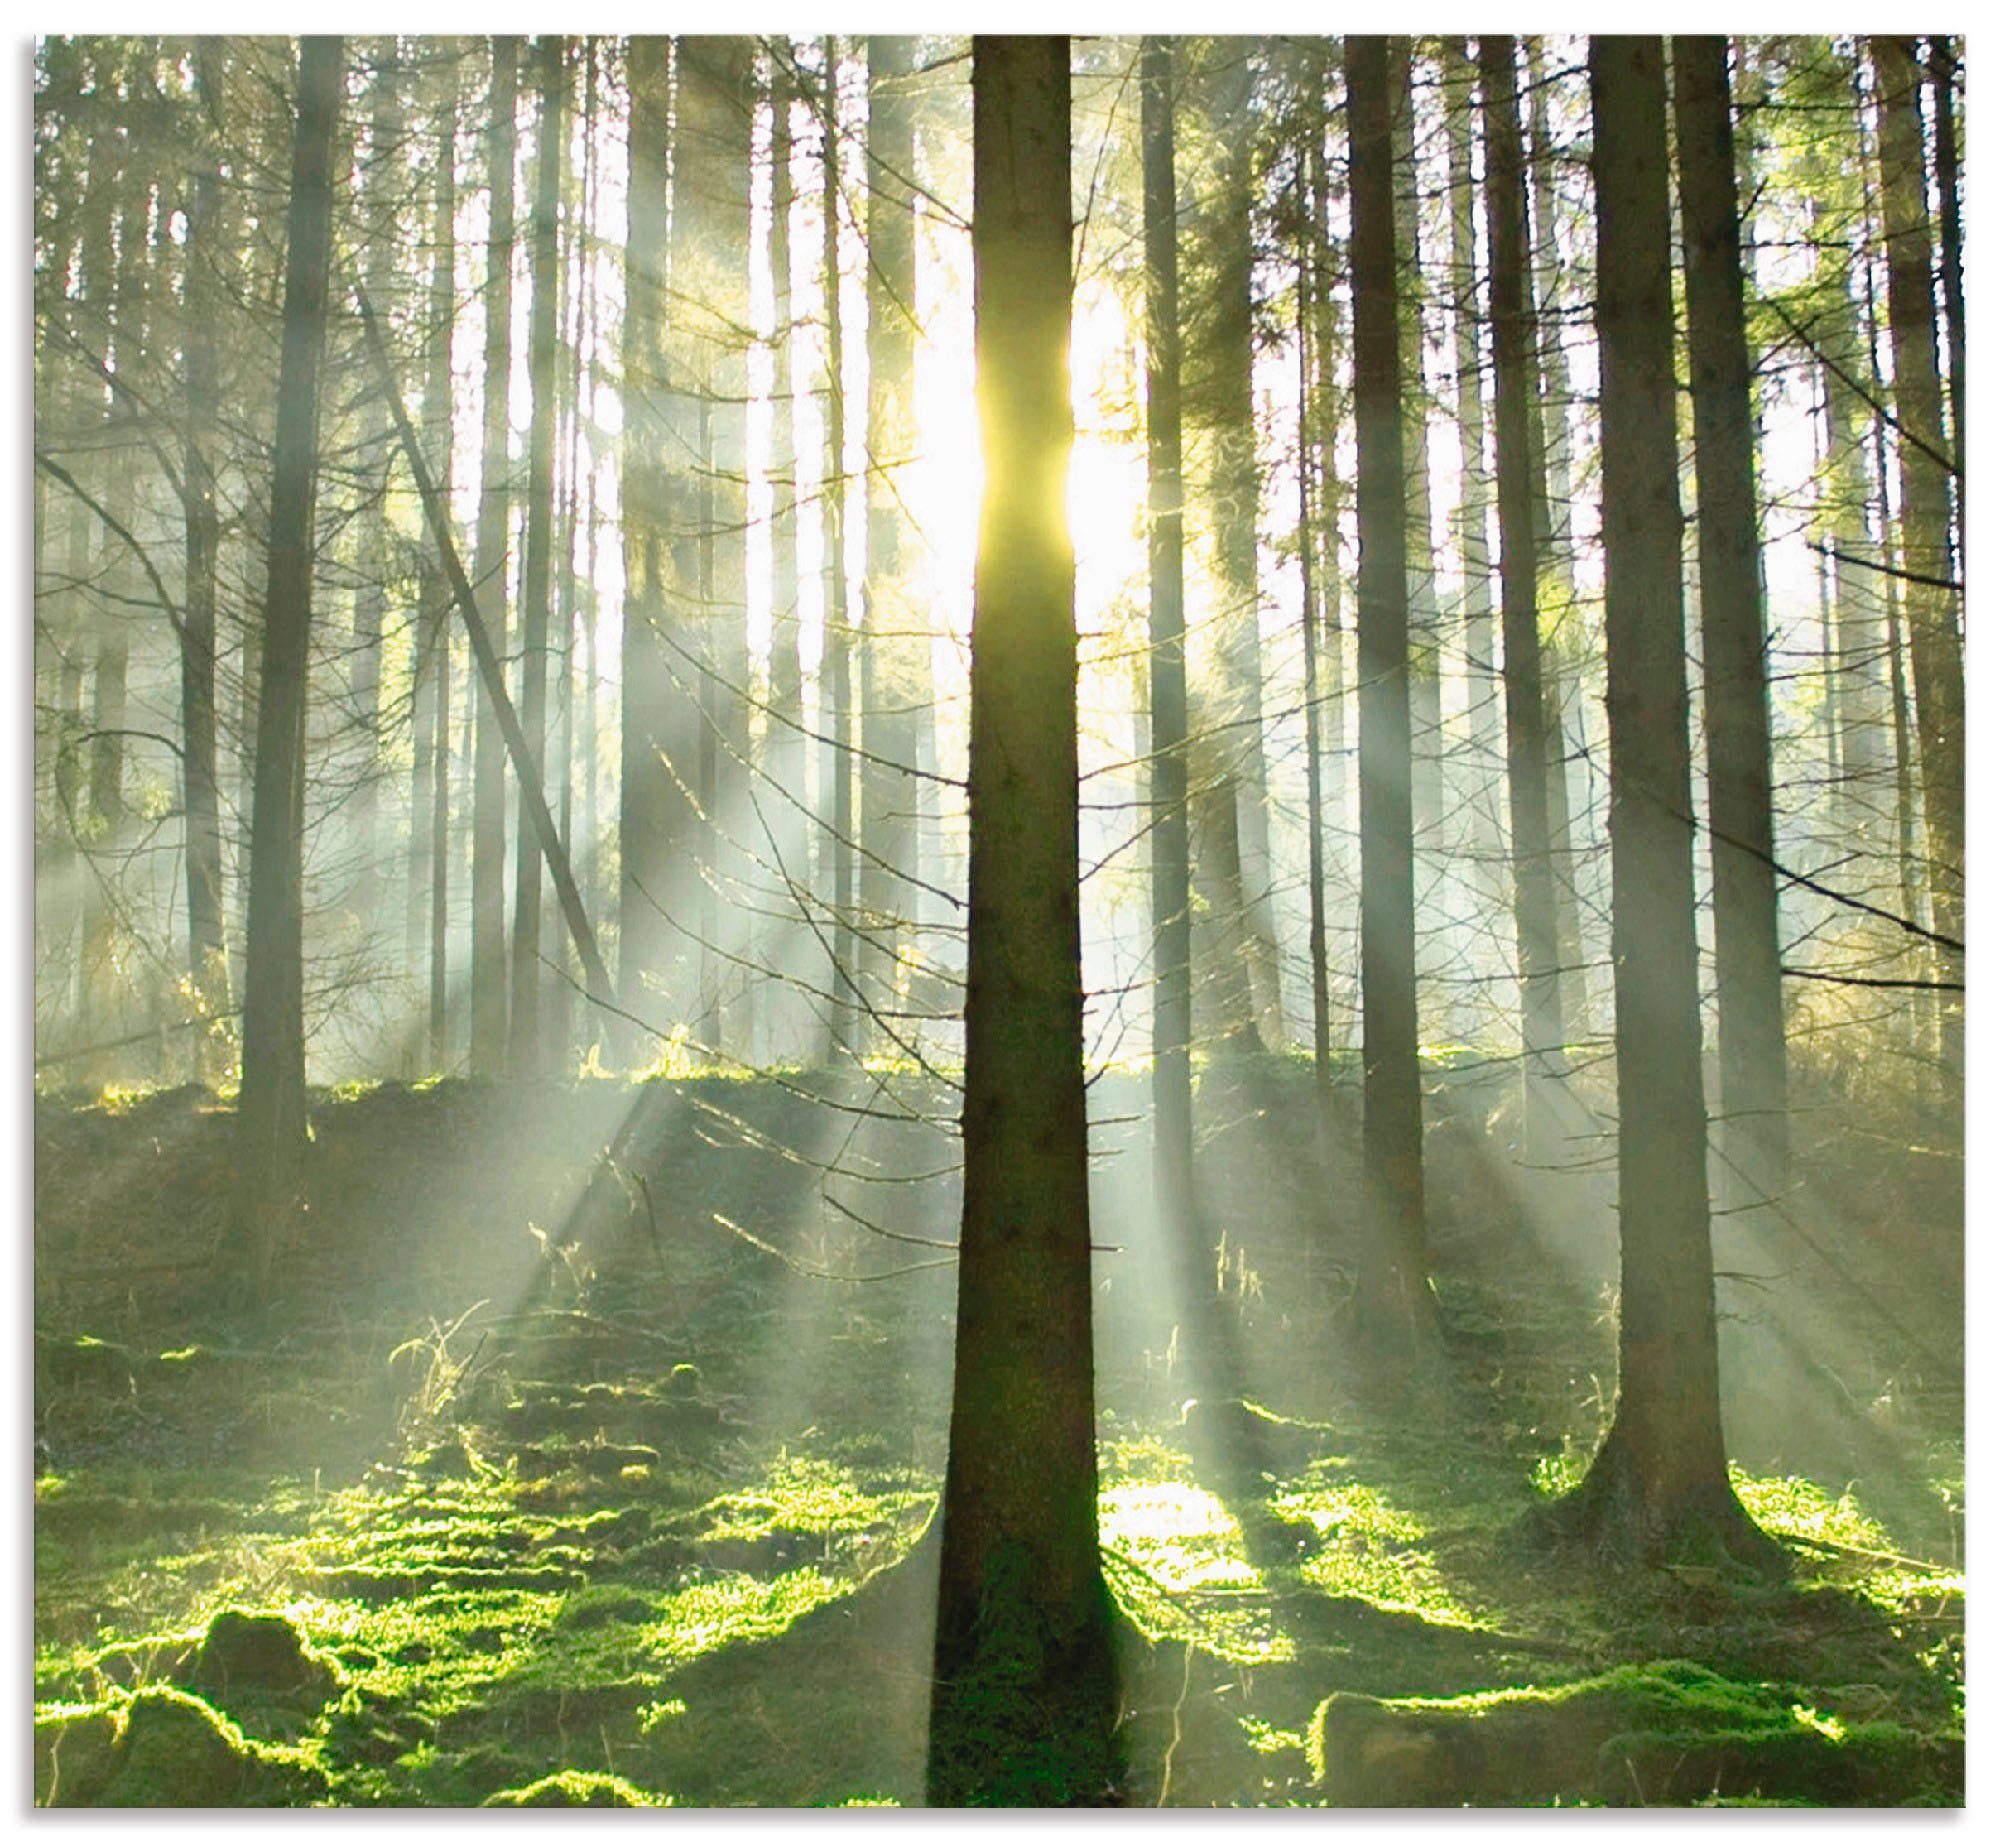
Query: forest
[998,920]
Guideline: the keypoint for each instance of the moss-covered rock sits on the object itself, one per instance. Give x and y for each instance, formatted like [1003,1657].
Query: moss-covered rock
[262,1653]
[74,1755]
[175,1750]
[1670,1732]
[576,1791]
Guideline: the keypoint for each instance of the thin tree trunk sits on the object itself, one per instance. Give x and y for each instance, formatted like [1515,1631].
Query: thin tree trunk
[1537,952]
[208,962]
[647,799]
[1426,702]
[1483,720]
[1393,1307]
[385,176]
[1167,701]
[272,1110]
[489,764]
[894,661]
[1735,687]
[836,657]
[1937,668]
[1024,1705]
[524,1036]
[1553,480]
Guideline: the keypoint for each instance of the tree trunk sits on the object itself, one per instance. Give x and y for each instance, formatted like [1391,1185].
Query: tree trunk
[208,962]
[524,1038]
[1483,721]
[272,1109]
[489,760]
[836,657]
[1537,954]
[895,651]
[1426,703]
[1393,1307]
[1553,481]
[1242,840]
[1167,701]
[1735,688]
[1024,1704]
[1937,667]
[1659,1482]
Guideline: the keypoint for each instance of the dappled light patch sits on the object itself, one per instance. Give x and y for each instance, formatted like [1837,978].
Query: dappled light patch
[1180,1570]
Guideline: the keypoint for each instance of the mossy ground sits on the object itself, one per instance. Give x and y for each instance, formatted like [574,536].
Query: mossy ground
[635,1512]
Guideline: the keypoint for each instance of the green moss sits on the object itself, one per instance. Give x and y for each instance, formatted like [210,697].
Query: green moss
[175,1750]
[74,1754]
[578,1790]
[263,1653]
[1670,1732]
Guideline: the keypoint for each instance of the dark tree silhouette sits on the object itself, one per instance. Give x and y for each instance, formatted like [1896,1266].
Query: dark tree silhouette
[1024,1705]
[272,1111]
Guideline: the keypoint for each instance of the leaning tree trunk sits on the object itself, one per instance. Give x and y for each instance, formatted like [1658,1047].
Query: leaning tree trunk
[1735,688]
[272,1111]
[1394,1306]
[1024,1705]
[1659,1482]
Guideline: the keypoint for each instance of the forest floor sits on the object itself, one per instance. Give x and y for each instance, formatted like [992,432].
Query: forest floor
[559,1476]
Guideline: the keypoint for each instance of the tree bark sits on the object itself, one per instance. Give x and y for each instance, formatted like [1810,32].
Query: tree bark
[524,1035]
[1735,685]
[894,654]
[272,1110]
[1024,1705]
[489,762]
[1167,701]
[1659,1482]
[1393,1306]
[1937,667]
[1537,953]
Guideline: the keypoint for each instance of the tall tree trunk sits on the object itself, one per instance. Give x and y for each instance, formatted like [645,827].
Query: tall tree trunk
[1024,1705]
[1659,1482]
[1426,702]
[524,1036]
[385,177]
[489,755]
[785,734]
[836,655]
[894,654]
[1310,629]
[647,799]
[1859,602]
[1937,667]
[1234,488]
[1393,1306]
[1943,68]
[1537,954]
[1483,721]
[272,1110]
[1167,701]
[208,962]
[1735,687]
[436,592]
[1553,481]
